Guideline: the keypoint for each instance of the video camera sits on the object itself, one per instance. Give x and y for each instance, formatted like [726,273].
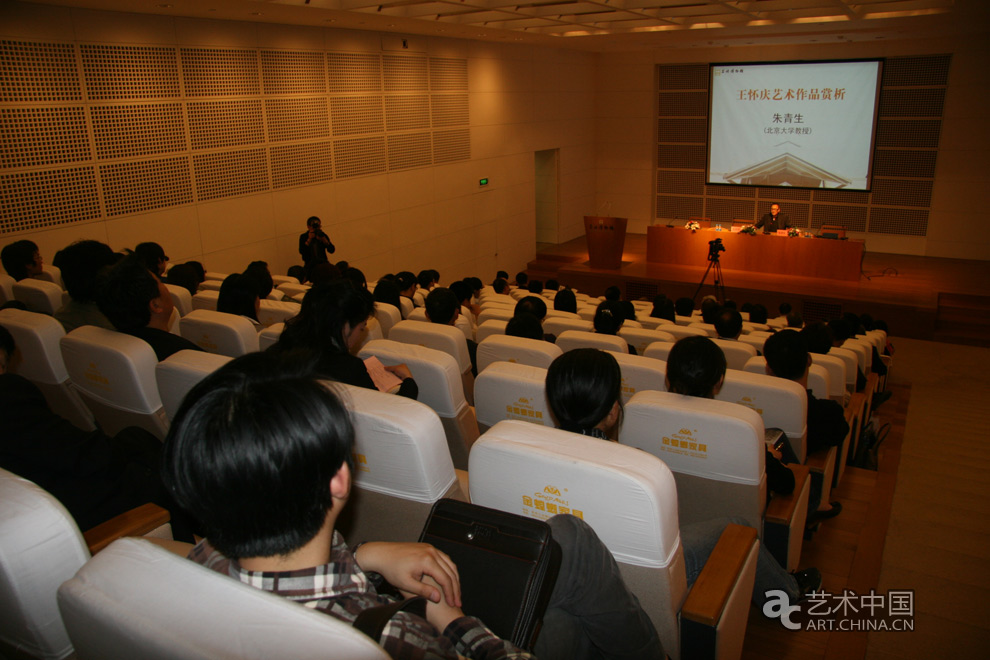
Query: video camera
[714,247]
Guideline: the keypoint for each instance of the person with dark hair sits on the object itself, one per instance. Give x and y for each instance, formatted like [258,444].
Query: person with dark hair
[783,309]
[239,296]
[153,256]
[80,264]
[773,220]
[271,482]
[500,285]
[442,307]
[728,324]
[684,307]
[96,477]
[534,305]
[788,358]
[525,325]
[297,272]
[200,271]
[535,287]
[663,308]
[552,285]
[342,265]
[758,314]
[137,303]
[331,323]
[425,281]
[609,318]
[356,276]
[476,285]
[462,289]
[262,278]
[407,283]
[387,292]
[628,310]
[522,279]
[502,274]
[817,338]
[696,367]
[314,245]
[729,304]
[22,259]
[323,273]
[565,301]
[613,293]
[183,275]
[584,392]
[795,320]
[709,310]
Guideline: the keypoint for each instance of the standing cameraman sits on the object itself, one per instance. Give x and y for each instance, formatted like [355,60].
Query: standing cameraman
[314,245]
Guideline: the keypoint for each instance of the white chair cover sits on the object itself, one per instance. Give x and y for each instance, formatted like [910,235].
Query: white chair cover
[836,368]
[659,350]
[556,326]
[206,299]
[37,337]
[387,315]
[217,332]
[506,390]
[495,313]
[444,338]
[181,298]
[489,328]
[39,295]
[271,312]
[783,404]
[571,339]
[179,373]
[640,373]
[269,336]
[6,288]
[736,353]
[502,348]
[640,338]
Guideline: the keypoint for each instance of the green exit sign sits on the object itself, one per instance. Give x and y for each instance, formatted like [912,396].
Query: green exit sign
[483,182]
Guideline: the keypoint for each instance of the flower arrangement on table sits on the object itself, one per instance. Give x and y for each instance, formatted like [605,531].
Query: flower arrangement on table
[693,225]
[748,229]
[792,232]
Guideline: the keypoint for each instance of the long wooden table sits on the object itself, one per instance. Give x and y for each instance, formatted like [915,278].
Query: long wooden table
[806,257]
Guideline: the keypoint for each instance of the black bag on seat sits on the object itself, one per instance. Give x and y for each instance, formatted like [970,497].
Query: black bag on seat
[507,564]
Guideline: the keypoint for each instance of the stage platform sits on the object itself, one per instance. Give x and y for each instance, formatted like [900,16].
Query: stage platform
[919,297]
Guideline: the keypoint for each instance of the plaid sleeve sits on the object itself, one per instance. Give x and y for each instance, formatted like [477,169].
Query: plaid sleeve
[473,639]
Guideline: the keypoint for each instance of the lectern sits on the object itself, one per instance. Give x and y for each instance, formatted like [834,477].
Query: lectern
[606,237]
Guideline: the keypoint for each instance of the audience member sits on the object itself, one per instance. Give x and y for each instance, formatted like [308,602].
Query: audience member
[535,287]
[22,259]
[710,309]
[387,292]
[565,301]
[269,485]
[525,325]
[323,273]
[297,272]
[500,285]
[183,275]
[502,275]
[663,310]
[356,276]
[609,318]
[795,320]
[584,393]
[332,322]
[552,285]
[728,324]
[443,308]
[613,293]
[462,289]
[153,257]
[758,314]
[522,279]
[628,310]
[684,307]
[239,295]
[137,303]
[80,264]
[200,271]
[262,277]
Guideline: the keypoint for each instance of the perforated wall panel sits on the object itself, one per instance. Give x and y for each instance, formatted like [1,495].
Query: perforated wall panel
[688,156]
[141,186]
[356,156]
[230,173]
[220,72]
[293,72]
[682,130]
[727,191]
[357,114]
[218,124]
[450,146]
[679,207]
[297,119]
[30,137]
[449,109]
[899,221]
[853,218]
[924,102]
[797,212]
[130,72]
[684,104]
[683,76]
[404,113]
[684,183]
[912,133]
[409,150]
[448,75]
[904,162]
[126,131]
[813,311]
[48,198]
[894,192]
[38,72]
[302,164]
[840,196]
[727,210]
[782,193]
[354,73]
[405,73]
[916,71]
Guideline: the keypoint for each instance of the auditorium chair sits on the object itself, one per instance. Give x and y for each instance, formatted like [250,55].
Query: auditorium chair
[115,376]
[181,298]
[572,339]
[556,313]
[736,353]
[440,387]
[682,331]
[630,499]
[179,373]
[267,337]
[653,323]
[39,295]
[138,600]
[293,289]
[444,338]
[271,312]
[496,313]
[210,285]
[205,299]
[40,548]
[401,466]
[707,327]
[503,348]
[37,338]
[219,332]
[53,274]
[406,306]
[640,338]
[556,326]
[489,328]
[387,315]
[6,288]
[659,350]
[507,390]
[279,280]
[639,373]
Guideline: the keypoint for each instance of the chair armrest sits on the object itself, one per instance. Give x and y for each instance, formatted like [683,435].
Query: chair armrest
[180,548]
[781,507]
[711,590]
[464,482]
[136,522]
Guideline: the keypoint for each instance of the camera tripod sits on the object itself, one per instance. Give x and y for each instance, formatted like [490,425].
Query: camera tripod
[715,267]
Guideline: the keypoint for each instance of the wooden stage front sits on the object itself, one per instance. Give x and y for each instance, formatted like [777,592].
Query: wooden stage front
[919,297]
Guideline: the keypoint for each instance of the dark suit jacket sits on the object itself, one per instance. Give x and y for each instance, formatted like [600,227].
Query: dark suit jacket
[770,225]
